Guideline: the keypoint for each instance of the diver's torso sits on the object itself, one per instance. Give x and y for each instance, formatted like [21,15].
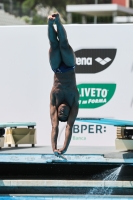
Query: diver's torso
[64,88]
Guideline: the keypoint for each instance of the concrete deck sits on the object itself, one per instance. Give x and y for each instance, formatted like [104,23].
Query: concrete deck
[27,149]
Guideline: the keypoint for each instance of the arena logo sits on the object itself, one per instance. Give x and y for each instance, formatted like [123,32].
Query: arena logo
[94,60]
[95,95]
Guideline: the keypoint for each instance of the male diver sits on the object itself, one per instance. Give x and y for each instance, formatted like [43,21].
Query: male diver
[64,94]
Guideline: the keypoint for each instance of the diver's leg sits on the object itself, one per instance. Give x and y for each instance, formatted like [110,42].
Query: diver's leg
[67,53]
[54,51]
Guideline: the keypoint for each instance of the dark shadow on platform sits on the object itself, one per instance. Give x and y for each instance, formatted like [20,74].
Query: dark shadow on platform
[54,171]
[121,154]
[128,155]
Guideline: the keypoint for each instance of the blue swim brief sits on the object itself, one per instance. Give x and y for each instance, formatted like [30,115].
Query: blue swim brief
[63,68]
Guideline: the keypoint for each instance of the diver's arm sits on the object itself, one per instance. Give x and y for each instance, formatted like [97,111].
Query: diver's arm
[54,123]
[69,126]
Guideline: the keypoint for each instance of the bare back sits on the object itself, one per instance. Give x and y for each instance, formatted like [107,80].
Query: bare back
[64,89]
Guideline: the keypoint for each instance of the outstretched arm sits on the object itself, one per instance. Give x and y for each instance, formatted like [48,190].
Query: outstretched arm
[68,131]
[55,123]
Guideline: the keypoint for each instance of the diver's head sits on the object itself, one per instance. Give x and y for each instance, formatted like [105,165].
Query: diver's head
[63,112]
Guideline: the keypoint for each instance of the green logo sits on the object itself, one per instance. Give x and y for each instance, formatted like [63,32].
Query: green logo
[95,95]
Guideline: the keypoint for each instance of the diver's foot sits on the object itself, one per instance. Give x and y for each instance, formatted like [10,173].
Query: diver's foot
[58,154]
[57,17]
[51,19]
